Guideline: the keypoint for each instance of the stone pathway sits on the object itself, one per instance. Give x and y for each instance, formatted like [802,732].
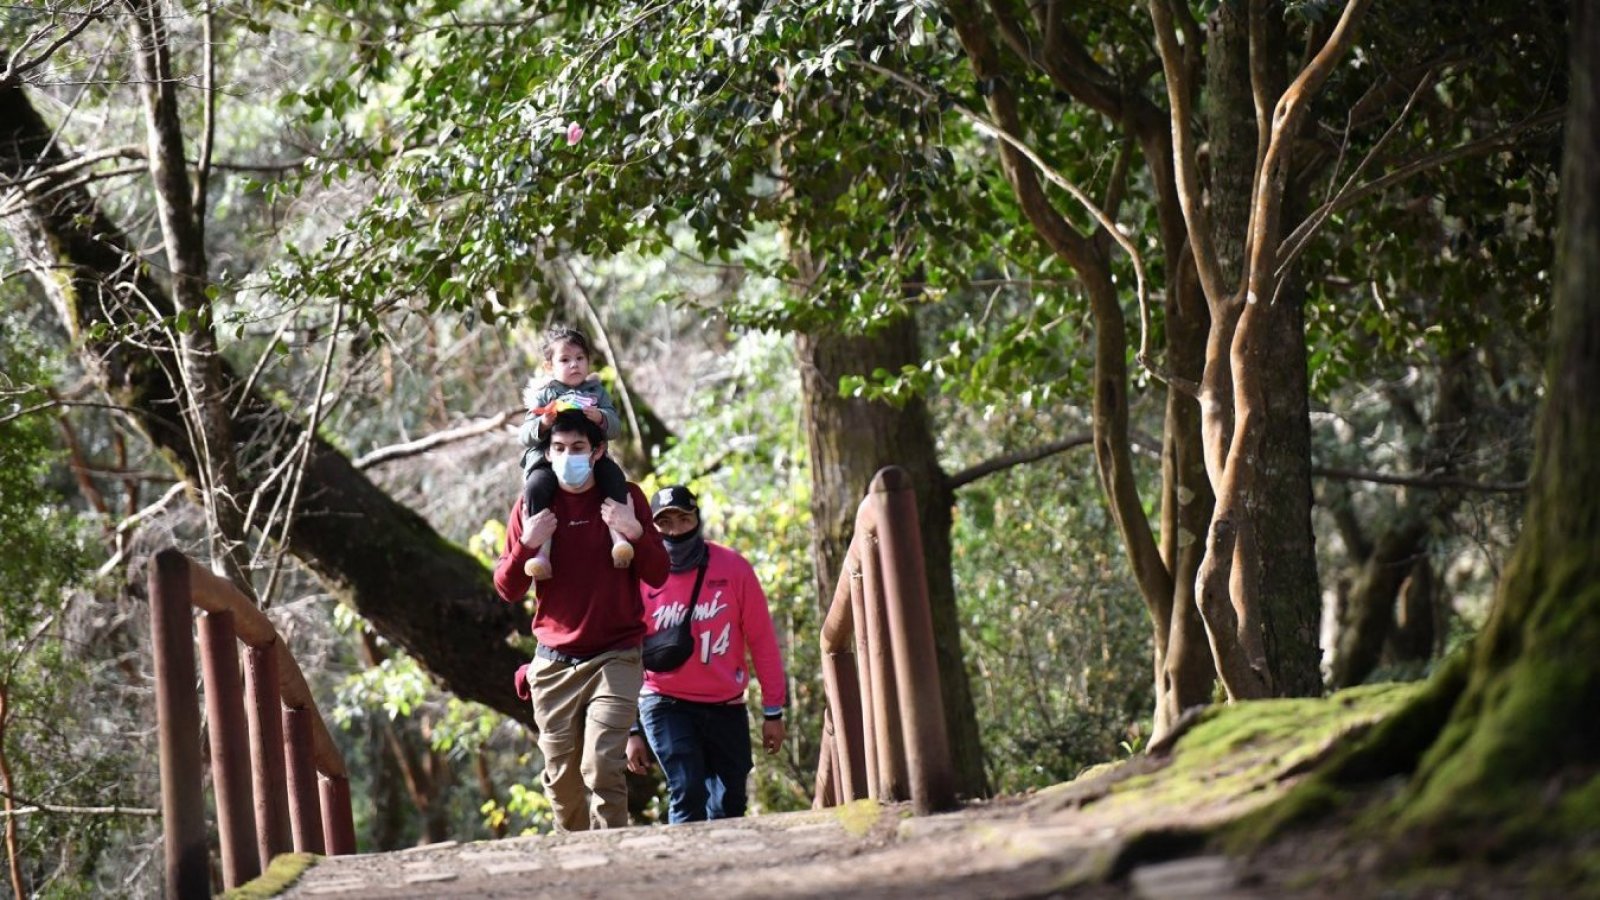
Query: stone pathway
[992,850]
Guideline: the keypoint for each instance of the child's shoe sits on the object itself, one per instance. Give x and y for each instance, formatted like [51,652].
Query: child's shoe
[538,568]
[621,551]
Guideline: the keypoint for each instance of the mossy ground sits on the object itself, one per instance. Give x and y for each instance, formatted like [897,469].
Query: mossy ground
[1250,780]
[285,870]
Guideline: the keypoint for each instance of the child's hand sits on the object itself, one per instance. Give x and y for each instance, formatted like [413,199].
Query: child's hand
[548,419]
[596,416]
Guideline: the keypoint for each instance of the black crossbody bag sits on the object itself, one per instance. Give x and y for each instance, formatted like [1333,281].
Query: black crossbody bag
[670,648]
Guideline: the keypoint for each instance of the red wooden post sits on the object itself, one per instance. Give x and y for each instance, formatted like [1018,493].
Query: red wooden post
[264,714]
[892,781]
[825,787]
[183,815]
[305,810]
[910,624]
[843,688]
[230,749]
[863,725]
[844,700]
[337,824]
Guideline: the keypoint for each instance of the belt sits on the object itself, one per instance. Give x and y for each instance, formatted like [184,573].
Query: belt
[554,655]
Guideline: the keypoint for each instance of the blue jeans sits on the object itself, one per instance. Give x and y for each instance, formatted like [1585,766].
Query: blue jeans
[704,750]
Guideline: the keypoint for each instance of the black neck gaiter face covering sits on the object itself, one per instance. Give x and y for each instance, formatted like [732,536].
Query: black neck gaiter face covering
[687,550]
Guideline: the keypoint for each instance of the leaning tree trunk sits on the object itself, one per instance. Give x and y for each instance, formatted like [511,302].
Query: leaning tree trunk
[414,587]
[850,440]
[1524,736]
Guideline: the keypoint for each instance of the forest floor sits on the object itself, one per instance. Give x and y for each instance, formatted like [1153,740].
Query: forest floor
[1154,826]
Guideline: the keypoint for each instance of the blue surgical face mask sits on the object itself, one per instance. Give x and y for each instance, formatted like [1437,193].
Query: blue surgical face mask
[574,469]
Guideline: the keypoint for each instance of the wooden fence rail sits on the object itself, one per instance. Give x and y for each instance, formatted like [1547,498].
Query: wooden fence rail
[279,781]
[884,727]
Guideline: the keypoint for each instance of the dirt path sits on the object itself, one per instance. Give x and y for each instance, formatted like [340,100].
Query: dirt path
[1004,849]
[1137,829]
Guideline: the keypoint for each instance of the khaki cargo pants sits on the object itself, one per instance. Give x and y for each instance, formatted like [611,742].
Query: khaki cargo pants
[583,712]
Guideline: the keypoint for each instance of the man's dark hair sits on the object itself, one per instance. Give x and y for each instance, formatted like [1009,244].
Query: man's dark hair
[570,420]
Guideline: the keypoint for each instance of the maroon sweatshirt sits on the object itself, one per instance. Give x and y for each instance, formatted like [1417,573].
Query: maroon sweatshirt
[588,606]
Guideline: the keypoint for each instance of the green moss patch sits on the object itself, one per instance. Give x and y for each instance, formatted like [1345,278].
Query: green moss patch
[284,871]
[1245,752]
[858,816]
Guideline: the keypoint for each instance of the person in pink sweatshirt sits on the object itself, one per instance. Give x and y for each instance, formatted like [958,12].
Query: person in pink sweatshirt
[694,717]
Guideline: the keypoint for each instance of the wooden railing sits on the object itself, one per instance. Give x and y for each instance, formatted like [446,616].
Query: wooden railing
[884,727]
[280,783]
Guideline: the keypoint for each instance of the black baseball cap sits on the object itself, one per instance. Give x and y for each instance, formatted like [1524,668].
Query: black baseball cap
[675,497]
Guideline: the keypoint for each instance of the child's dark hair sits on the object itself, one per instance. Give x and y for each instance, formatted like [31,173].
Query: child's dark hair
[566,334]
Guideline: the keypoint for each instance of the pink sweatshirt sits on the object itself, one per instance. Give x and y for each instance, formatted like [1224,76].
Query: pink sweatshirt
[730,615]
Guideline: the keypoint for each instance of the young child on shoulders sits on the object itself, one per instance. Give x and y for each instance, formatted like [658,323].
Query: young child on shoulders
[567,382]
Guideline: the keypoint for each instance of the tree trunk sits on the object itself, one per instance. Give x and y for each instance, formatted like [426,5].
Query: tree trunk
[204,398]
[849,441]
[7,802]
[1368,615]
[1260,607]
[385,789]
[1419,618]
[1185,672]
[1526,717]
[1291,596]
[415,588]
[1395,568]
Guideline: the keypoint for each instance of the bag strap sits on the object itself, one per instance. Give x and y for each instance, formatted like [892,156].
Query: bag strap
[694,596]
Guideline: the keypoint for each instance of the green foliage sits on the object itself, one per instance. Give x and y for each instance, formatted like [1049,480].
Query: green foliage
[1057,639]
[526,811]
[44,553]
[49,734]
[722,119]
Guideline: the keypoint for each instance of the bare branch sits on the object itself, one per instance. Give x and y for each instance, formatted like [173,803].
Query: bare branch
[438,439]
[1431,482]
[1266,206]
[20,199]
[1313,222]
[1295,242]
[1001,463]
[208,129]
[52,404]
[33,808]
[312,425]
[82,160]
[15,69]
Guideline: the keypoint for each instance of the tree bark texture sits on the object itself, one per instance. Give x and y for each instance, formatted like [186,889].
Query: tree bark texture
[13,854]
[204,411]
[1185,672]
[1527,714]
[415,588]
[1260,607]
[849,441]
